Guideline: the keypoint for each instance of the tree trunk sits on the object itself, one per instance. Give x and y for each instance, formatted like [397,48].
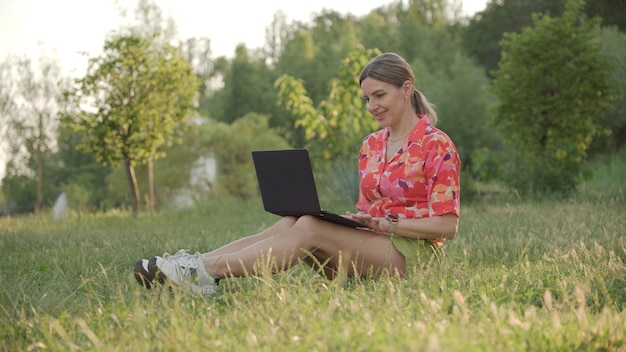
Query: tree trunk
[132,183]
[151,197]
[39,157]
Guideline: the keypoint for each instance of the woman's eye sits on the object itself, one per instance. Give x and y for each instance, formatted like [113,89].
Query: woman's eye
[377,96]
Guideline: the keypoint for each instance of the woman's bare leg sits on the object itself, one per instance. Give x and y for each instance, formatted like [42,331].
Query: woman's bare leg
[282,225]
[361,252]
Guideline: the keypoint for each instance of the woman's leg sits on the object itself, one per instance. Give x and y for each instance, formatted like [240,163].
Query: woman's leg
[282,225]
[358,252]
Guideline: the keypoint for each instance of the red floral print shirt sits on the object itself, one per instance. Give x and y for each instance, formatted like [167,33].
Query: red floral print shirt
[421,180]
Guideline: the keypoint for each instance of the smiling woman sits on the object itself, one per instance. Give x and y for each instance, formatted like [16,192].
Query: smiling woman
[409,204]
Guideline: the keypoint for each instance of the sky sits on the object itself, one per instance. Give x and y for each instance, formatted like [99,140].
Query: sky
[67,29]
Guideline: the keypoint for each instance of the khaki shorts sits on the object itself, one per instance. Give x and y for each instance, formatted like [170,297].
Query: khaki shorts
[418,254]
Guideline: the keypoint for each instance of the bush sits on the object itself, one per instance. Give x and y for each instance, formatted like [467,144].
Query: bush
[550,100]
[342,180]
[232,146]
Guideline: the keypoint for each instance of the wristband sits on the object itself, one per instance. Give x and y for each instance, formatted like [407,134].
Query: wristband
[393,223]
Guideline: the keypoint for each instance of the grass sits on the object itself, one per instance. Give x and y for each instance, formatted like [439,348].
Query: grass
[540,276]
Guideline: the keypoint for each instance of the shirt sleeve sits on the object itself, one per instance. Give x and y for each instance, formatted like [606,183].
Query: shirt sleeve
[443,168]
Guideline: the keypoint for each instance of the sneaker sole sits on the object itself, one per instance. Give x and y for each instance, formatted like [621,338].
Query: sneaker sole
[144,277]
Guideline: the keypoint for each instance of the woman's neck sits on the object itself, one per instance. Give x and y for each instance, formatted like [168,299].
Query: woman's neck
[403,128]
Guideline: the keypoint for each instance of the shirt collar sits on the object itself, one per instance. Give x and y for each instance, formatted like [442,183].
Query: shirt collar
[419,130]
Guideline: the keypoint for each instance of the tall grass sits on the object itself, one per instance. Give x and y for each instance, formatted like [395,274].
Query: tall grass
[541,275]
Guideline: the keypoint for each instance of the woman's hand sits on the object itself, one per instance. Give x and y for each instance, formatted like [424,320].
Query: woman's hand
[376,224]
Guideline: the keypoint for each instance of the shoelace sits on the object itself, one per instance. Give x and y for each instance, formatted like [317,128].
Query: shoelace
[180,253]
[183,258]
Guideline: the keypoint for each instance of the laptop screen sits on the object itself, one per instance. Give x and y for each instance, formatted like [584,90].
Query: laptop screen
[286,181]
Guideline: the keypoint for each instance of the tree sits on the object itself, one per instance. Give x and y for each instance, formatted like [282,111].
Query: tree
[160,31]
[613,13]
[459,89]
[335,129]
[30,97]
[176,175]
[232,143]
[375,30]
[484,32]
[483,35]
[198,53]
[315,52]
[613,122]
[276,35]
[78,173]
[133,101]
[552,84]
[247,88]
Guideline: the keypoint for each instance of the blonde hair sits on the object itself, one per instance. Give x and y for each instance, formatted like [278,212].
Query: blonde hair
[393,69]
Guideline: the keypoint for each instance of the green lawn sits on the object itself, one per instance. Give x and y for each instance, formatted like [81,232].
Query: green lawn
[542,275]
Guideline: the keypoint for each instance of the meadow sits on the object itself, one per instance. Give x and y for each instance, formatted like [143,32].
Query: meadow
[540,275]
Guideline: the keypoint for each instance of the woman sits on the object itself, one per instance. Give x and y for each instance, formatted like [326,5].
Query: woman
[409,200]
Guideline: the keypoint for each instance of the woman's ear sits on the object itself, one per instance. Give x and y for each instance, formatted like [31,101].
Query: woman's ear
[407,87]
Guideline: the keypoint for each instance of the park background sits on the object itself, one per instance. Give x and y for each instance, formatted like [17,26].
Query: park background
[532,93]
[299,90]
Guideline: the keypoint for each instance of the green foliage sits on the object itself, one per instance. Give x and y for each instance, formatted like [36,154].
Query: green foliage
[486,164]
[30,94]
[613,13]
[375,31]
[232,147]
[425,32]
[483,35]
[20,184]
[459,89]
[413,20]
[137,96]
[315,53]
[19,191]
[133,102]
[341,180]
[607,183]
[175,172]
[485,30]
[172,174]
[78,173]
[293,96]
[612,124]
[563,93]
[337,126]
[247,88]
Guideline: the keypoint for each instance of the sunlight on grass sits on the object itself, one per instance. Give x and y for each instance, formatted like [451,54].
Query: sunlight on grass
[543,275]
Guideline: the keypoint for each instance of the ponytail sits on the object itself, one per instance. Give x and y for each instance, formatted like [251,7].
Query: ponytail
[423,106]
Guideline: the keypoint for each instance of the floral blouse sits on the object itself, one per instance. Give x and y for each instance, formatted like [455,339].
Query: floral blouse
[421,180]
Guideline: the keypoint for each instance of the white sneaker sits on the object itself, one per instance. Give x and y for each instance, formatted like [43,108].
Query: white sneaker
[183,270]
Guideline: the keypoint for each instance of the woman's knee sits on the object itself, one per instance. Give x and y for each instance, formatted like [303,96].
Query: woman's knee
[287,222]
[311,230]
[307,223]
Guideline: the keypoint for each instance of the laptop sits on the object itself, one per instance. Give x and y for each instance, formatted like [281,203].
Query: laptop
[287,185]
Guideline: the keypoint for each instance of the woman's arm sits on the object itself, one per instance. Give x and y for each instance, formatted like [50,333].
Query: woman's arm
[442,226]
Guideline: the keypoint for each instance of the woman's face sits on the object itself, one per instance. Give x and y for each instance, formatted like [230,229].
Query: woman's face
[386,102]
